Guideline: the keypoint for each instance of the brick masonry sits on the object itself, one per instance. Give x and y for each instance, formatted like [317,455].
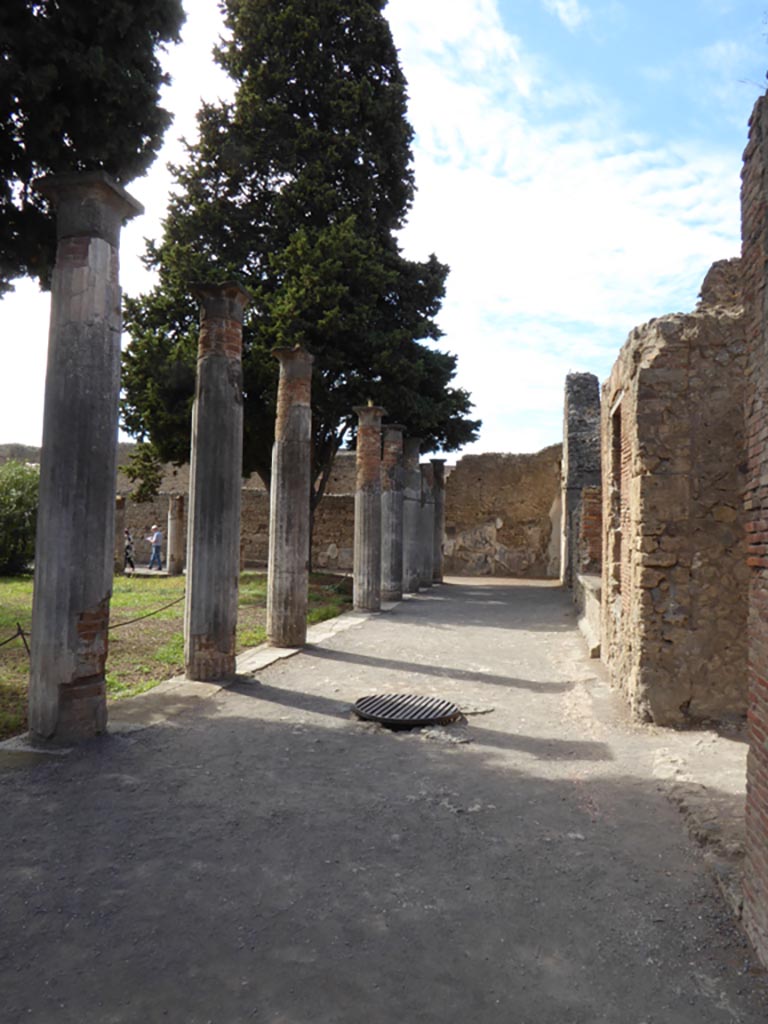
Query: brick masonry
[674,578]
[754,199]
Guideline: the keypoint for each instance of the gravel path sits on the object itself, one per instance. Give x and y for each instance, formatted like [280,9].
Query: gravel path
[259,854]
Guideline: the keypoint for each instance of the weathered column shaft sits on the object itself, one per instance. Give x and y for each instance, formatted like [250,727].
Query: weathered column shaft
[119,533]
[411,515]
[427,526]
[438,490]
[289,523]
[74,558]
[175,549]
[366,592]
[213,546]
[392,513]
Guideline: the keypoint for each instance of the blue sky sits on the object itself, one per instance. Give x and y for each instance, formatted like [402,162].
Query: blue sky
[578,167]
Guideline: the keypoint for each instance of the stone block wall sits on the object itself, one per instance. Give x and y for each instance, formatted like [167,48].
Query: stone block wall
[580,466]
[674,576]
[502,515]
[754,199]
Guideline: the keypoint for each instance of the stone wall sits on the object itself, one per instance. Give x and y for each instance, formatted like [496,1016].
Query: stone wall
[502,515]
[580,468]
[754,199]
[674,578]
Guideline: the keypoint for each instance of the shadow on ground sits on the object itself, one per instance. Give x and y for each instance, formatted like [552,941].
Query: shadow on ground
[265,858]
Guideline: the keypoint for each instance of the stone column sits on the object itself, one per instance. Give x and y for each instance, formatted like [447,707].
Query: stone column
[392,513]
[119,533]
[581,462]
[438,487]
[74,557]
[288,586]
[411,515]
[366,592]
[174,560]
[427,526]
[213,543]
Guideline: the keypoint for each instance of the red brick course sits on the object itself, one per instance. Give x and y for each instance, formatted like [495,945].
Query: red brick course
[754,257]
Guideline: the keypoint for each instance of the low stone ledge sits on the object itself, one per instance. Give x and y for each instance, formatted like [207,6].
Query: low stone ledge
[587,592]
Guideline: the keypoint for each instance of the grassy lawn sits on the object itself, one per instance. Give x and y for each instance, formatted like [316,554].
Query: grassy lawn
[143,654]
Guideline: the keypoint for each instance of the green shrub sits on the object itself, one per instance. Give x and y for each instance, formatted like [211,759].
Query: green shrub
[19,486]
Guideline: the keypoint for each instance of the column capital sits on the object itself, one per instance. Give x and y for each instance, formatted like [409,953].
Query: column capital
[224,301]
[369,415]
[295,361]
[89,204]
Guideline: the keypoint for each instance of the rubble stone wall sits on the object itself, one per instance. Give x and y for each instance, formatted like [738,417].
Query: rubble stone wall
[674,575]
[502,515]
[499,515]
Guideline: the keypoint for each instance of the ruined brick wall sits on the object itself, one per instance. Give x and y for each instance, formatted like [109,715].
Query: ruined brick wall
[674,579]
[754,199]
[580,464]
[589,531]
[498,515]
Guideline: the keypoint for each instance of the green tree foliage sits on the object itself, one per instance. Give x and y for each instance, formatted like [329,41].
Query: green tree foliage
[79,89]
[18,516]
[296,188]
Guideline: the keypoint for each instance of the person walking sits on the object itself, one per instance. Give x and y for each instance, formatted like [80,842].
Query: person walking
[156,540]
[128,559]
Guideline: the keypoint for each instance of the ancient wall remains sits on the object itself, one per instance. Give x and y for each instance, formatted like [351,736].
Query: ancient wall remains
[502,515]
[580,469]
[674,577]
[754,199]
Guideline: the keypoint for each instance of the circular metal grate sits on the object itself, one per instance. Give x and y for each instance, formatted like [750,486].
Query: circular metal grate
[404,710]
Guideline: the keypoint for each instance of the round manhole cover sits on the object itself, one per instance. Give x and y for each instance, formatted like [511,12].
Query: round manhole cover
[405,711]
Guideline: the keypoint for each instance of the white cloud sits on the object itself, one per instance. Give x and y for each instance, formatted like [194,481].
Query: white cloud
[562,228]
[570,12]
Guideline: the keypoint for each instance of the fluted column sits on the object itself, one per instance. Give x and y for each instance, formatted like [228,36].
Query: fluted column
[288,574]
[392,513]
[174,562]
[426,527]
[74,557]
[438,490]
[119,533]
[411,515]
[366,593]
[213,545]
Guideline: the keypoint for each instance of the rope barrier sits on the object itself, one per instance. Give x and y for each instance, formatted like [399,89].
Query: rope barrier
[129,622]
[20,632]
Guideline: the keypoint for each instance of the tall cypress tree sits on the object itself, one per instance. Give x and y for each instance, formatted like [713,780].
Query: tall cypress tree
[297,188]
[79,90]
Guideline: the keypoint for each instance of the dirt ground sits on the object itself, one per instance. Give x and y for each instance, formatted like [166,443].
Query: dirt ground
[257,853]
